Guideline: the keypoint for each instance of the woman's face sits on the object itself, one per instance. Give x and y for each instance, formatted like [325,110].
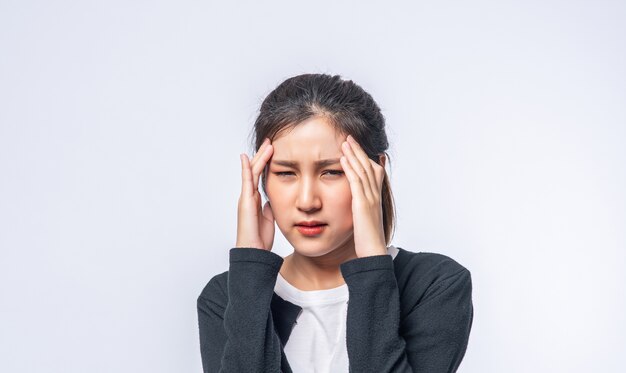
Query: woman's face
[306,190]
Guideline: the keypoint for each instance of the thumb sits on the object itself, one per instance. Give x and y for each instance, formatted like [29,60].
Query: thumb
[268,214]
[267,226]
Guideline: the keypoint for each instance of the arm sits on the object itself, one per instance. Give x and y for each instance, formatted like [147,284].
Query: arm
[431,338]
[239,336]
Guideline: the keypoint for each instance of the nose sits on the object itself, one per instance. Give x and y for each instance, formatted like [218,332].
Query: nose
[308,198]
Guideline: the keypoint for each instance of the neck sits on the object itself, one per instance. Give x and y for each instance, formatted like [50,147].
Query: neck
[316,273]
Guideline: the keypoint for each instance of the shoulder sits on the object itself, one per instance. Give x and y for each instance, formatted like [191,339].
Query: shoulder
[215,291]
[422,274]
[429,264]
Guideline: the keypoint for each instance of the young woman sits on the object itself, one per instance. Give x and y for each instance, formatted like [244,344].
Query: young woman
[345,300]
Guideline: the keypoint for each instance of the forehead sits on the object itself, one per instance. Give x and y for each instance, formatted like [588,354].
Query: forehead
[311,140]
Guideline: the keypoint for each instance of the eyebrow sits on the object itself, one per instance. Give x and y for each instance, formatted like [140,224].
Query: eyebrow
[293,164]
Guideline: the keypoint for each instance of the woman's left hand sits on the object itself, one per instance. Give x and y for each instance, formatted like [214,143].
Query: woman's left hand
[366,180]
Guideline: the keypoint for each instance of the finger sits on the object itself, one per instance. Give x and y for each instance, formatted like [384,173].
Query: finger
[365,162]
[357,170]
[260,151]
[379,175]
[356,185]
[246,175]
[380,168]
[248,181]
[259,166]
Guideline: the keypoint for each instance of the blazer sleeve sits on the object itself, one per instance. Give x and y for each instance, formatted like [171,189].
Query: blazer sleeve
[237,333]
[433,335]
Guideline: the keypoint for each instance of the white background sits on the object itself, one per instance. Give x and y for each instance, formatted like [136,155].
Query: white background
[121,125]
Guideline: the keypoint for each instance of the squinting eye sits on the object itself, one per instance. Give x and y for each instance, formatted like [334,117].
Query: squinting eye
[335,172]
[282,173]
[332,172]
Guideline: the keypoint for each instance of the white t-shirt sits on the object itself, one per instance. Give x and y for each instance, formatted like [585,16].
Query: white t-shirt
[317,343]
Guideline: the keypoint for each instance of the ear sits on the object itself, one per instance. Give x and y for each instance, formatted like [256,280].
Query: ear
[382,159]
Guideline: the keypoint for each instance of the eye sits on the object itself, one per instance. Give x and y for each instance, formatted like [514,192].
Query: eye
[282,173]
[335,172]
[331,172]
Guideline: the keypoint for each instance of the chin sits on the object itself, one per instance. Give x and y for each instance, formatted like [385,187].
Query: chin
[312,249]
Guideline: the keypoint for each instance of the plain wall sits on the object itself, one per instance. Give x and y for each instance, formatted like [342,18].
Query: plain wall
[121,125]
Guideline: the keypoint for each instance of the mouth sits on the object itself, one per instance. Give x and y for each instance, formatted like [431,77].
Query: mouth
[312,223]
[311,230]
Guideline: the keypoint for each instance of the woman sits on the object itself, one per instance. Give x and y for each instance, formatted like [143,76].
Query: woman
[345,299]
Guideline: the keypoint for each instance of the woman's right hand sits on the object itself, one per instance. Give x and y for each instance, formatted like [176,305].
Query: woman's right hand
[255,226]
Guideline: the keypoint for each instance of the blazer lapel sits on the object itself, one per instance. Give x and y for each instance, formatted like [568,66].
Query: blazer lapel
[284,314]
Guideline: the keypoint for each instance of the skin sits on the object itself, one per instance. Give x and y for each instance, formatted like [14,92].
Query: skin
[345,195]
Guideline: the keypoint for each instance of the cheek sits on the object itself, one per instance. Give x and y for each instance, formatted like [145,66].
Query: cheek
[279,198]
[344,195]
[340,202]
[272,188]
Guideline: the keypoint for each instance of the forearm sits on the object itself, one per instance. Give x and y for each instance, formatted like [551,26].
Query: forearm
[251,344]
[433,333]
[374,343]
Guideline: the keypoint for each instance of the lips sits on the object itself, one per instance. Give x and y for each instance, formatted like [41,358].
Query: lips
[311,230]
[310,223]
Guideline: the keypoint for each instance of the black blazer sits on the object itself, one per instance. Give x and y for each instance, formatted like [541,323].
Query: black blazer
[411,314]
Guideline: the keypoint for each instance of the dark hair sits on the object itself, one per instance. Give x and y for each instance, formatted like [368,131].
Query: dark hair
[347,106]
